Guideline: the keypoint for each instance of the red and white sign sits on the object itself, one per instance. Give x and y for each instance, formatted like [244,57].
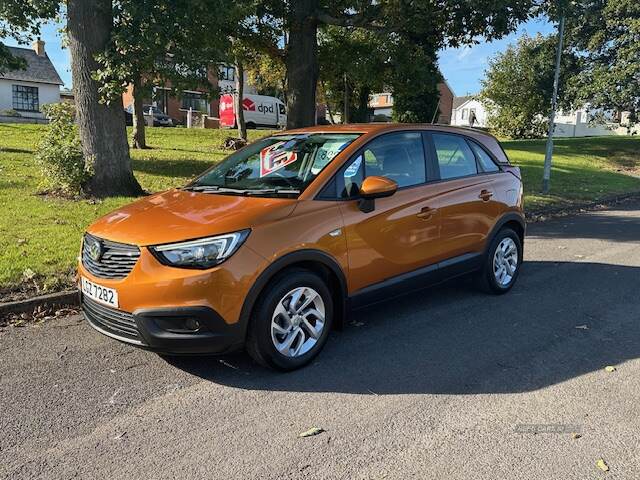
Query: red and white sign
[272,158]
[227,113]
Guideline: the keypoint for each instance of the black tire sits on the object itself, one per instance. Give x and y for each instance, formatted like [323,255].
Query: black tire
[259,339]
[250,126]
[486,279]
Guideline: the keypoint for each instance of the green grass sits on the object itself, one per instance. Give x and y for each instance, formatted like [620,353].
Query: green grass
[42,234]
[584,169]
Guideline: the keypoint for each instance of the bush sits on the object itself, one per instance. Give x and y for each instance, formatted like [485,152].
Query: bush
[60,154]
[10,113]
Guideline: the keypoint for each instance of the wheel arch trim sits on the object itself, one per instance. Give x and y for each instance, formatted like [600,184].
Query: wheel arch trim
[288,260]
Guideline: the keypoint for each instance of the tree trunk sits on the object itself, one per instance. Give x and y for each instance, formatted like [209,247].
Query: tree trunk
[139,139]
[302,64]
[345,101]
[102,128]
[242,127]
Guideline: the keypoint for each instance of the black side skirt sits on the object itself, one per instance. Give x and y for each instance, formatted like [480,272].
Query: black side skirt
[416,280]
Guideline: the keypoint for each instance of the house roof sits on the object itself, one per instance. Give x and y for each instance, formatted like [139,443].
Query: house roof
[39,68]
[459,101]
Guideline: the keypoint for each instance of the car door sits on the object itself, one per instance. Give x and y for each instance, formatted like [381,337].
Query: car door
[466,197]
[400,235]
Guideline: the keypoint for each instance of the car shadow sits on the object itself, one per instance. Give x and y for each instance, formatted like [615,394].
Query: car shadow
[562,320]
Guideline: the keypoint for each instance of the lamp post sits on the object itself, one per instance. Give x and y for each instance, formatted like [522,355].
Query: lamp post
[554,103]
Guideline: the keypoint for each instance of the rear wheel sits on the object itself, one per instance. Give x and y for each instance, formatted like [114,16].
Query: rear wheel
[250,126]
[291,321]
[502,263]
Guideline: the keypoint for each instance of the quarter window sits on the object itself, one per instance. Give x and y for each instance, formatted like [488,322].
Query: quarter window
[455,157]
[25,98]
[486,162]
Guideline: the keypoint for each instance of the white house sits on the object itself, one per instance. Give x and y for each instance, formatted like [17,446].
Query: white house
[26,91]
[577,123]
[466,109]
[227,81]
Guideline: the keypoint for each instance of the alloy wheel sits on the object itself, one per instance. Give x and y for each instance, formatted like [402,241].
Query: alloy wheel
[505,262]
[297,322]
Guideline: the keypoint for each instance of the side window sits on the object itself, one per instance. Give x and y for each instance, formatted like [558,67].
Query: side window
[397,156]
[455,157]
[486,162]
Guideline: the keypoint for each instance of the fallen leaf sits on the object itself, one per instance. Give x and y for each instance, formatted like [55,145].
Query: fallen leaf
[582,327]
[610,368]
[602,465]
[575,436]
[311,432]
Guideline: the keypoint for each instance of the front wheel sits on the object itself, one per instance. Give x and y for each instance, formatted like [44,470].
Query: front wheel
[502,263]
[291,321]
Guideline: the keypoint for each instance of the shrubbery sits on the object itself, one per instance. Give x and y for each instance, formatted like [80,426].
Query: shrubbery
[60,154]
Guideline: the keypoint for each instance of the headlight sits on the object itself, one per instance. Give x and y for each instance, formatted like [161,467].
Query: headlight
[202,253]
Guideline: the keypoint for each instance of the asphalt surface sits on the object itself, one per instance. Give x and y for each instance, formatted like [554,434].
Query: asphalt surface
[446,384]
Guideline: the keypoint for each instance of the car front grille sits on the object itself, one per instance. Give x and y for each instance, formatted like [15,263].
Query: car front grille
[111,321]
[115,261]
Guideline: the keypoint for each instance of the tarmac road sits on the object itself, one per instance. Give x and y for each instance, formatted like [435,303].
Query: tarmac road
[445,384]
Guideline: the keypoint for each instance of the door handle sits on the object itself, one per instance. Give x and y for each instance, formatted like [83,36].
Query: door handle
[485,195]
[427,212]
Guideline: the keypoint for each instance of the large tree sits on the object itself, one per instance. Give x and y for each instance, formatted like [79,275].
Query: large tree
[446,22]
[172,43]
[518,86]
[353,64]
[606,34]
[101,125]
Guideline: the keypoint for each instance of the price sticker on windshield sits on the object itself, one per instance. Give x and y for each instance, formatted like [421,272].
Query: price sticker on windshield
[275,157]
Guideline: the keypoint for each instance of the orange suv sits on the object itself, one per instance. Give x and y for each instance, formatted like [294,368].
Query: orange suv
[270,248]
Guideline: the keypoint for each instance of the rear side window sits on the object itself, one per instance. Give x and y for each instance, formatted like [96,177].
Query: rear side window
[484,159]
[455,157]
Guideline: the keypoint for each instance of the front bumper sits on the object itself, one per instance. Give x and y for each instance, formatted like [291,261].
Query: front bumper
[179,330]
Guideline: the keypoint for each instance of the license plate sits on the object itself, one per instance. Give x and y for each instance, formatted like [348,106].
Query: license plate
[104,295]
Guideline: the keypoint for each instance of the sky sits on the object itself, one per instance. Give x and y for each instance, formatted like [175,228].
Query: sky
[462,67]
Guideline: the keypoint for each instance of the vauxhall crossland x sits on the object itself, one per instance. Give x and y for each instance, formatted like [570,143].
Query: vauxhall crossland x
[270,248]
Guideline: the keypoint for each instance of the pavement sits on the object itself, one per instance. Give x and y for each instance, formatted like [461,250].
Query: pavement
[447,383]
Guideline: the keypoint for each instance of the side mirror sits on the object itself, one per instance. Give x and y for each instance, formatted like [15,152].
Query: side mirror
[372,188]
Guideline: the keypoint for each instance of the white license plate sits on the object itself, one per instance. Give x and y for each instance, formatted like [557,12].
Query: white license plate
[104,295]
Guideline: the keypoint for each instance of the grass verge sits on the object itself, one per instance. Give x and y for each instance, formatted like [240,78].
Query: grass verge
[40,236]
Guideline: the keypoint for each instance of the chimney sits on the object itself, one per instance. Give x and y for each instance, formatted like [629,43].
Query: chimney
[38,47]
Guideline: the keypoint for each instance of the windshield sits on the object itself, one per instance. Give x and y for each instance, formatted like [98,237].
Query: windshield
[283,164]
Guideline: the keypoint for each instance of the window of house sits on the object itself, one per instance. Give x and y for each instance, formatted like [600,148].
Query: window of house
[196,101]
[464,113]
[227,73]
[25,98]
[455,157]
[161,97]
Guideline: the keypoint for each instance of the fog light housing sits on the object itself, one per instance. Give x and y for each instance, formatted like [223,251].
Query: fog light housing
[192,324]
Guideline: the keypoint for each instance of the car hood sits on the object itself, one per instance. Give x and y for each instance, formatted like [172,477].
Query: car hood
[178,215]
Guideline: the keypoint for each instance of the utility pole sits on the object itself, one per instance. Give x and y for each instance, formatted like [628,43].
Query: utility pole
[554,104]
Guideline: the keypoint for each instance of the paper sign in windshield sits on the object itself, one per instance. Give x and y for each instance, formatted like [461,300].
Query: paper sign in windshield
[273,158]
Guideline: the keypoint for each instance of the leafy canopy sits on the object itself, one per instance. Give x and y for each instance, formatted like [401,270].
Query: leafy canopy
[518,86]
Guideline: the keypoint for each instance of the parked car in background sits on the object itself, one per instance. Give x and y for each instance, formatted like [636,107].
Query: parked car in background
[269,248]
[259,111]
[160,119]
